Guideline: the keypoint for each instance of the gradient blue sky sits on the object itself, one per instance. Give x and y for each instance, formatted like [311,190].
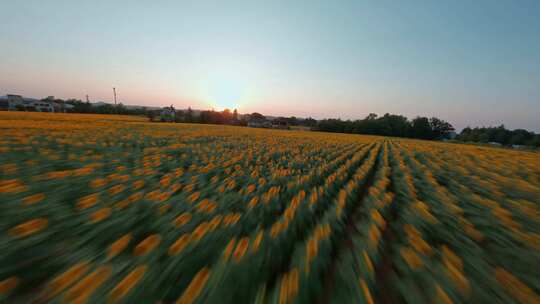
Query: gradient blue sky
[469,62]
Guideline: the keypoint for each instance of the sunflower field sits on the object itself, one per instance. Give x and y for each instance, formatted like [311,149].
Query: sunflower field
[113,209]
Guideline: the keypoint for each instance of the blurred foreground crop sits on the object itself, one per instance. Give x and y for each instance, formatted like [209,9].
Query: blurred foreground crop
[97,208]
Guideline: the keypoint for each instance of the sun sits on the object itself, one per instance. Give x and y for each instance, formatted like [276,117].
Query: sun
[226,95]
[224,91]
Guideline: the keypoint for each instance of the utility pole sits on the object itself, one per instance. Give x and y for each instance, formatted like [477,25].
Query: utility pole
[87,99]
[114,92]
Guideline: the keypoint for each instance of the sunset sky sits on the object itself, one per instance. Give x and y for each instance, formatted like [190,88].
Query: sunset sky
[469,62]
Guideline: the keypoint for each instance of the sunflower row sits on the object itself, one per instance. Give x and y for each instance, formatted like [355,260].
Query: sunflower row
[273,243]
[305,279]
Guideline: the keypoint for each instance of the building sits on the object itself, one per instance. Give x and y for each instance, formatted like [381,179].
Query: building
[4,103]
[12,102]
[68,107]
[259,123]
[280,123]
[19,103]
[15,102]
[43,106]
[168,114]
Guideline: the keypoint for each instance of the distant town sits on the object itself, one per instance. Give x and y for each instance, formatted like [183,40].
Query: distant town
[12,102]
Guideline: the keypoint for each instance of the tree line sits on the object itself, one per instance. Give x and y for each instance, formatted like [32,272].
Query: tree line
[500,135]
[387,125]
[225,117]
[390,125]
[105,108]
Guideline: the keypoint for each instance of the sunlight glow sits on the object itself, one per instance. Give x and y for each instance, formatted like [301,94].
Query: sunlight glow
[224,91]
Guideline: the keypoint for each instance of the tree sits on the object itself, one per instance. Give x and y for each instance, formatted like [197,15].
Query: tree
[499,135]
[309,122]
[520,137]
[483,138]
[534,142]
[180,116]
[421,128]
[332,125]
[189,115]
[227,116]
[151,115]
[235,117]
[371,116]
[465,134]
[391,125]
[205,117]
[257,116]
[440,128]
[243,120]
[293,121]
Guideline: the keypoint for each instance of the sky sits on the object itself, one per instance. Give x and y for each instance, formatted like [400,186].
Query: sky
[472,63]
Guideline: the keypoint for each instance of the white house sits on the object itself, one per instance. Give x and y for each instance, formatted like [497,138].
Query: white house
[13,102]
[16,102]
[43,106]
